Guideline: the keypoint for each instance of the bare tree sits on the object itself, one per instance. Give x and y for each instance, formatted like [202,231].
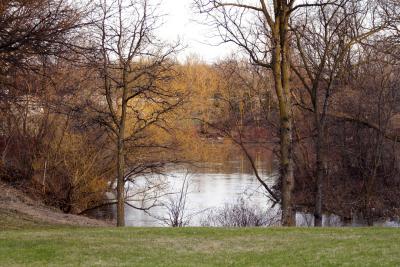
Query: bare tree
[136,70]
[36,27]
[372,153]
[262,30]
[34,36]
[326,42]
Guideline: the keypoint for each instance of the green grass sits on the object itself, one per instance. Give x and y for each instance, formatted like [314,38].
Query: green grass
[63,246]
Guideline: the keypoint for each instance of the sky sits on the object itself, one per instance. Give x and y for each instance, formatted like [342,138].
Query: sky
[180,24]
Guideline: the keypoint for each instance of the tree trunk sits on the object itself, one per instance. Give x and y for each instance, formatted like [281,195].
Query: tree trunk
[120,183]
[287,178]
[281,77]
[280,66]
[320,173]
[121,157]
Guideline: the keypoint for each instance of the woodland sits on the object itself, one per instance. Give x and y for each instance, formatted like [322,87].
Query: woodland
[91,100]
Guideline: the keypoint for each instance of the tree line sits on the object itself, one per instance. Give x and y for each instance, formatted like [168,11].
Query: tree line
[92,99]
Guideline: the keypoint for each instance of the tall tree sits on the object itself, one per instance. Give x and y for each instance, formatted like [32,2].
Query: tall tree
[262,30]
[136,71]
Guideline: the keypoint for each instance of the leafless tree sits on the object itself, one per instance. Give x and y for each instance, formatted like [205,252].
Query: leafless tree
[262,30]
[327,37]
[34,36]
[136,70]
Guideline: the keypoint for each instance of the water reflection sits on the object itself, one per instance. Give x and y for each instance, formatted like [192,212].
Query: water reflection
[206,191]
[332,220]
[214,184]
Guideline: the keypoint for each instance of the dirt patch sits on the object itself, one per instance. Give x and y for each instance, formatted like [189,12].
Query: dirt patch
[15,201]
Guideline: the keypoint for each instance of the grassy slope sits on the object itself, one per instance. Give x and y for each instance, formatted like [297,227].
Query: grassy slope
[10,220]
[57,246]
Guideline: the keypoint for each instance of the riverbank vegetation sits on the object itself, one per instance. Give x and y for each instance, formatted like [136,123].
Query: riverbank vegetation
[94,107]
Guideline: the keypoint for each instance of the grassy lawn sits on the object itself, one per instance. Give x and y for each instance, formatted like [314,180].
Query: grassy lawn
[57,246]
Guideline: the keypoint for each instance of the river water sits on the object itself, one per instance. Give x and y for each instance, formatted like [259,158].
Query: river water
[206,191]
[213,185]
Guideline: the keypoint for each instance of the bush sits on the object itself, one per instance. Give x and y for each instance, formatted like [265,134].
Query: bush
[241,214]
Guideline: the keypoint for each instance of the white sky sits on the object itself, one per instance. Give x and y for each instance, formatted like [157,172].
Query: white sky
[180,24]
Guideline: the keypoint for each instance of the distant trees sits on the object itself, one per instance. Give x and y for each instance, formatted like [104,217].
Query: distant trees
[333,51]
[244,99]
[326,38]
[372,156]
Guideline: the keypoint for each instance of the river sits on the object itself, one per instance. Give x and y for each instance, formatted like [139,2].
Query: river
[213,185]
